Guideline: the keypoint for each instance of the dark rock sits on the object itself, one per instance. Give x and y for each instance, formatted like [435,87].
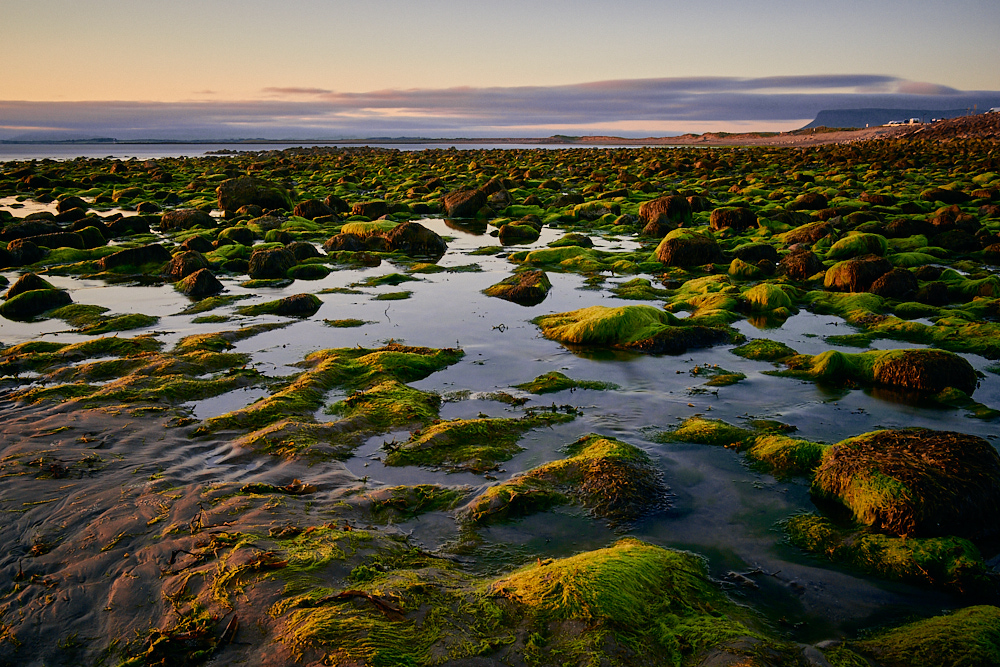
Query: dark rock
[241,235]
[990,211]
[699,203]
[956,240]
[153,253]
[243,190]
[71,215]
[856,275]
[298,305]
[125,226]
[198,244]
[25,252]
[303,250]
[251,210]
[271,263]
[199,284]
[808,201]
[41,215]
[733,217]
[943,195]
[27,228]
[933,294]
[184,264]
[664,214]
[348,242]
[147,207]
[800,265]
[563,201]
[312,209]
[464,203]
[677,340]
[518,232]
[186,218]
[413,238]
[898,284]
[906,227]
[528,288]
[876,199]
[336,204]
[58,240]
[755,252]
[370,209]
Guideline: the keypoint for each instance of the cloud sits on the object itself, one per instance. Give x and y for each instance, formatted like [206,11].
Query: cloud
[646,106]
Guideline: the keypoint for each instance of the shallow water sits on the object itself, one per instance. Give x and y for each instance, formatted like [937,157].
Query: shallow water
[722,509]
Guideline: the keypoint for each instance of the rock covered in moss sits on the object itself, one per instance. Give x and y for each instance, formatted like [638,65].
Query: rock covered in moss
[311,209]
[733,217]
[297,305]
[33,303]
[755,252]
[464,203]
[856,275]
[687,247]
[240,234]
[243,190]
[664,214]
[914,482]
[413,238]
[186,218]
[372,209]
[762,349]
[27,282]
[555,381]
[527,288]
[184,264]
[856,245]
[768,297]
[154,253]
[809,201]
[808,233]
[344,242]
[518,232]
[641,328]
[965,638]
[899,284]
[199,284]
[271,263]
[23,252]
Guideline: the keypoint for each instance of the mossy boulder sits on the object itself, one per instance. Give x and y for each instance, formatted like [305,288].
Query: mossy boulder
[344,242]
[755,252]
[412,238]
[184,264]
[856,245]
[762,349]
[687,247]
[527,288]
[664,214]
[856,275]
[736,218]
[154,253]
[914,482]
[640,328]
[768,297]
[297,305]
[22,252]
[809,201]
[246,190]
[514,232]
[463,203]
[372,209]
[186,218]
[31,304]
[271,263]
[240,234]
[613,479]
[920,369]
[808,233]
[26,283]
[59,240]
[199,284]
[311,209]
[899,284]
[554,381]
[969,637]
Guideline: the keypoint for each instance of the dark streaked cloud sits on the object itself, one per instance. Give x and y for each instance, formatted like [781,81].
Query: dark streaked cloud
[645,106]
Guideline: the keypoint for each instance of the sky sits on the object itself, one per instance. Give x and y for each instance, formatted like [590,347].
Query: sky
[218,69]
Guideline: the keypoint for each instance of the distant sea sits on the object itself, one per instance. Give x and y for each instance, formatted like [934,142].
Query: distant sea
[57,151]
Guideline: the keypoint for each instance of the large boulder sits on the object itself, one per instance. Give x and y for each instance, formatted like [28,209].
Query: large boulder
[185,218]
[33,303]
[302,250]
[755,252]
[26,283]
[464,203]
[370,209]
[69,203]
[808,201]
[856,275]
[348,242]
[239,234]
[898,284]
[271,263]
[686,247]
[243,190]
[666,212]
[924,370]
[24,252]
[807,233]
[914,482]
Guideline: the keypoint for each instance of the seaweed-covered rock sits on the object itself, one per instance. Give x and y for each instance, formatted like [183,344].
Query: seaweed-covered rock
[242,190]
[755,252]
[966,638]
[914,482]
[271,263]
[199,284]
[641,328]
[808,233]
[26,228]
[240,234]
[345,242]
[944,195]
[303,250]
[154,253]
[856,245]
[856,275]
[26,283]
[733,217]
[372,210]
[198,244]
[614,479]
[666,212]
[186,218]
[297,305]
[463,203]
[877,199]
[919,369]
[337,204]
[413,238]
[24,252]
[69,203]
[898,284]
[800,265]
[33,303]
[312,209]
[516,232]
[58,240]
[686,247]
[184,264]
[809,201]
[528,288]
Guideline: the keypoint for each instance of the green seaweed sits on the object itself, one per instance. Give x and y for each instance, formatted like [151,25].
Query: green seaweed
[554,381]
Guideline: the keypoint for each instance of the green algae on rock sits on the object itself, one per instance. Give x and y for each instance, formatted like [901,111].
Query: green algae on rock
[640,328]
[914,482]
[406,502]
[949,563]
[298,305]
[477,445]
[967,637]
[527,288]
[555,381]
[611,478]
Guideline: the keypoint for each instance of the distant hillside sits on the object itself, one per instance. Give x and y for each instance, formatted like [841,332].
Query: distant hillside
[871,117]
